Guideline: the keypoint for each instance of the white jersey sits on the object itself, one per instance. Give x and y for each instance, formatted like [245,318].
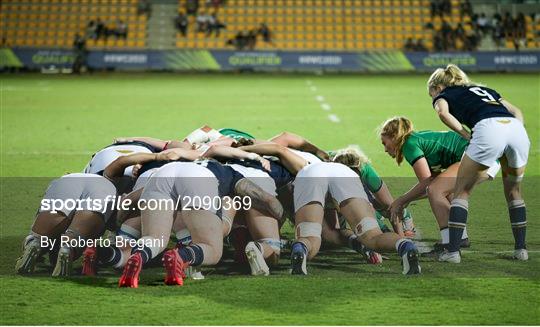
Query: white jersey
[257,176]
[104,157]
[309,157]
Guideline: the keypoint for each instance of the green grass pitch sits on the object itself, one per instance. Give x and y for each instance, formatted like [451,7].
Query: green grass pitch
[51,125]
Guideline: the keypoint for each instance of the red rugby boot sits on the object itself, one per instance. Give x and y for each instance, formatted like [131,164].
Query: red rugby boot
[174,268]
[130,275]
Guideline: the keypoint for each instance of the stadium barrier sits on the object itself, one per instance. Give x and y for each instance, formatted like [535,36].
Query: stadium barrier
[210,60]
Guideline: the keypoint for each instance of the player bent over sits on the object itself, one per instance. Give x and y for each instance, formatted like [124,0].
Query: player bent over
[311,187]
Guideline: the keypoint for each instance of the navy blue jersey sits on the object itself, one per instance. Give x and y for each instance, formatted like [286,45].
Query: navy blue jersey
[226,176]
[471,104]
[278,173]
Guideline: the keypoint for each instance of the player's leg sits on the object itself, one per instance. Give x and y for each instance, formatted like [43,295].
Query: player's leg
[206,247]
[308,229]
[85,225]
[469,174]
[438,192]
[47,227]
[359,214]
[346,188]
[117,254]
[266,246]
[310,189]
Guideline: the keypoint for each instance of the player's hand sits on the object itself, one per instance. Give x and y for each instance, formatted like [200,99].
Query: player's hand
[396,211]
[122,140]
[169,155]
[266,164]
[135,170]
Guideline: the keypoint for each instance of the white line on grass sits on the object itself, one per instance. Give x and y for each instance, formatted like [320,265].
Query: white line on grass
[334,119]
[325,106]
[313,89]
[319,98]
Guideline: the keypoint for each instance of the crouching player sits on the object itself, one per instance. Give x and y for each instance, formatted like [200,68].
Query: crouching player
[74,209]
[311,186]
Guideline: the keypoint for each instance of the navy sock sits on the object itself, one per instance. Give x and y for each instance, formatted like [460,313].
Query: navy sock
[404,246]
[457,222]
[193,254]
[299,247]
[518,219]
[354,243]
[145,252]
[109,256]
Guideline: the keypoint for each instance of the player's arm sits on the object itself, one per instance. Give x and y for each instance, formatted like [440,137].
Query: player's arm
[155,143]
[513,109]
[423,173]
[297,142]
[117,167]
[293,162]
[441,106]
[219,151]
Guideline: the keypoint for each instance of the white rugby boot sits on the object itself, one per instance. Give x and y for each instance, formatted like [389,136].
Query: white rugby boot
[256,260]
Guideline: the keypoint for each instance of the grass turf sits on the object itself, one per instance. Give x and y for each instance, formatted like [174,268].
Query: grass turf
[50,125]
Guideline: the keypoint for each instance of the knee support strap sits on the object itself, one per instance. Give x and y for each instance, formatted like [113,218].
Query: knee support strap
[365,225]
[308,229]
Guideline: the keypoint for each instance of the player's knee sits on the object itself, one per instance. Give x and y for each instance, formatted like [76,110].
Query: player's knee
[308,229]
[435,193]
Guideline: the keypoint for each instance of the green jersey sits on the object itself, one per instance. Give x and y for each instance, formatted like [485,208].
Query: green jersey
[235,134]
[441,149]
[370,178]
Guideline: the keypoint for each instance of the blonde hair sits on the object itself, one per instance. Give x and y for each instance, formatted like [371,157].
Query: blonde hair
[452,75]
[351,156]
[398,130]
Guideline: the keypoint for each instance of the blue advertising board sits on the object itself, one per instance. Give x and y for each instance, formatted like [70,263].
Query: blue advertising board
[223,60]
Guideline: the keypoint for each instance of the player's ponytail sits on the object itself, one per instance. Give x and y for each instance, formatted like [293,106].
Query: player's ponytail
[352,157]
[398,130]
[452,75]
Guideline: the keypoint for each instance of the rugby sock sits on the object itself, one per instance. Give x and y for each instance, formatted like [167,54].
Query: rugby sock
[299,247]
[183,237]
[354,243]
[149,250]
[146,253]
[404,245]
[193,254]
[518,219]
[109,256]
[457,222]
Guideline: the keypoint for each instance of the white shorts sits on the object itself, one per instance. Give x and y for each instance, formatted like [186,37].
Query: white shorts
[104,157]
[314,181]
[257,177]
[183,183]
[494,137]
[80,186]
[143,179]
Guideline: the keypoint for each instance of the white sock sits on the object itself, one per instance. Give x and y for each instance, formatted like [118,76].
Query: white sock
[445,235]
